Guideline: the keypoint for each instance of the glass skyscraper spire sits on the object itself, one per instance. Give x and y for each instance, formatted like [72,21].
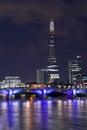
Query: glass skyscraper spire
[50,73]
[52,66]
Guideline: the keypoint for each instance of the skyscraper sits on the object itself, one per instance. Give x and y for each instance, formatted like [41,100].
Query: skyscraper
[50,73]
[74,69]
[52,66]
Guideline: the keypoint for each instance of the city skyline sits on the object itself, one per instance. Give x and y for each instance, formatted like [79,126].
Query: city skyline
[24,35]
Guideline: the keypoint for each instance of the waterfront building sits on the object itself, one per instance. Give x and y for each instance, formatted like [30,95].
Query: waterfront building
[84,78]
[75,69]
[81,81]
[34,85]
[12,82]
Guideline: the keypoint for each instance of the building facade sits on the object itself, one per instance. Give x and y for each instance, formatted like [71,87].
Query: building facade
[52,66]
[81,81]
[75,69]
[12,82]
[42,76]
[50,73]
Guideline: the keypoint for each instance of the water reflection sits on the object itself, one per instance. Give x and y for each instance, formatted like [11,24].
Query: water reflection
[43,115]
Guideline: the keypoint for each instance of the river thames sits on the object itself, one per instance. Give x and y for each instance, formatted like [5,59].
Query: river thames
[52,114]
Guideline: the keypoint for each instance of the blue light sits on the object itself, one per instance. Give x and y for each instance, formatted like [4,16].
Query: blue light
[80,91]
[4,92]
[44,91]
[39,91]
[50,91]
[10,92]
[74,92]
[17,91]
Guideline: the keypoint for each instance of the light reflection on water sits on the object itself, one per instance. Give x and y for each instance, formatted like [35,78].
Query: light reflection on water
[43,115]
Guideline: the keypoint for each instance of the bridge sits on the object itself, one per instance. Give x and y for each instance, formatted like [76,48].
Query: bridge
[41,92]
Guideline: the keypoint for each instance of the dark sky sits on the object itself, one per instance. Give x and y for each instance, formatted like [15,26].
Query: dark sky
[24,34]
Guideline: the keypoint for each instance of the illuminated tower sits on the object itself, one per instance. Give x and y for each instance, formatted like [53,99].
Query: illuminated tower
[52,67]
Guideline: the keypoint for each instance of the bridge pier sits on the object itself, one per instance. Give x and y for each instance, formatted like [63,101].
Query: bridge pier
[10,95]
[72,94]
[43,95]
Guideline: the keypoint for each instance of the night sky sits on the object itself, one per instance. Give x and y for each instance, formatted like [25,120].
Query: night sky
[24,35]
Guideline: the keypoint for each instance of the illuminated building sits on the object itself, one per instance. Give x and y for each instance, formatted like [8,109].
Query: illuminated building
[84,79]
[52,66]
[12,82]
[36,86]
[81,81]
[51,73]
[42,76]
[74,69]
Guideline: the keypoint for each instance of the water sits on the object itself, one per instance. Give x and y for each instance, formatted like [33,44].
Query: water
[55,114]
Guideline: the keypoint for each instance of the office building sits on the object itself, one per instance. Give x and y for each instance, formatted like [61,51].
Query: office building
[75,69]
[42,76]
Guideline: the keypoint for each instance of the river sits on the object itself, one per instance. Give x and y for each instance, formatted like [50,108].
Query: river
[52,114]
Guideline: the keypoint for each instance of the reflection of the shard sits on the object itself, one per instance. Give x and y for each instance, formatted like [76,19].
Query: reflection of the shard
[27,114]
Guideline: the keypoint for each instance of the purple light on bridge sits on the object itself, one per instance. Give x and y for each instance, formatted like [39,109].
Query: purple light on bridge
[10,92]
[44,91]
[74,92]
[38,91]
[4,92]
[17,91]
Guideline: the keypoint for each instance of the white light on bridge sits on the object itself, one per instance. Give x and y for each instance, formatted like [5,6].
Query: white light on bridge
[73,87]
[77,86]
[49,86]
[69,87]
[28,86]
[64,86]
[59,86]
